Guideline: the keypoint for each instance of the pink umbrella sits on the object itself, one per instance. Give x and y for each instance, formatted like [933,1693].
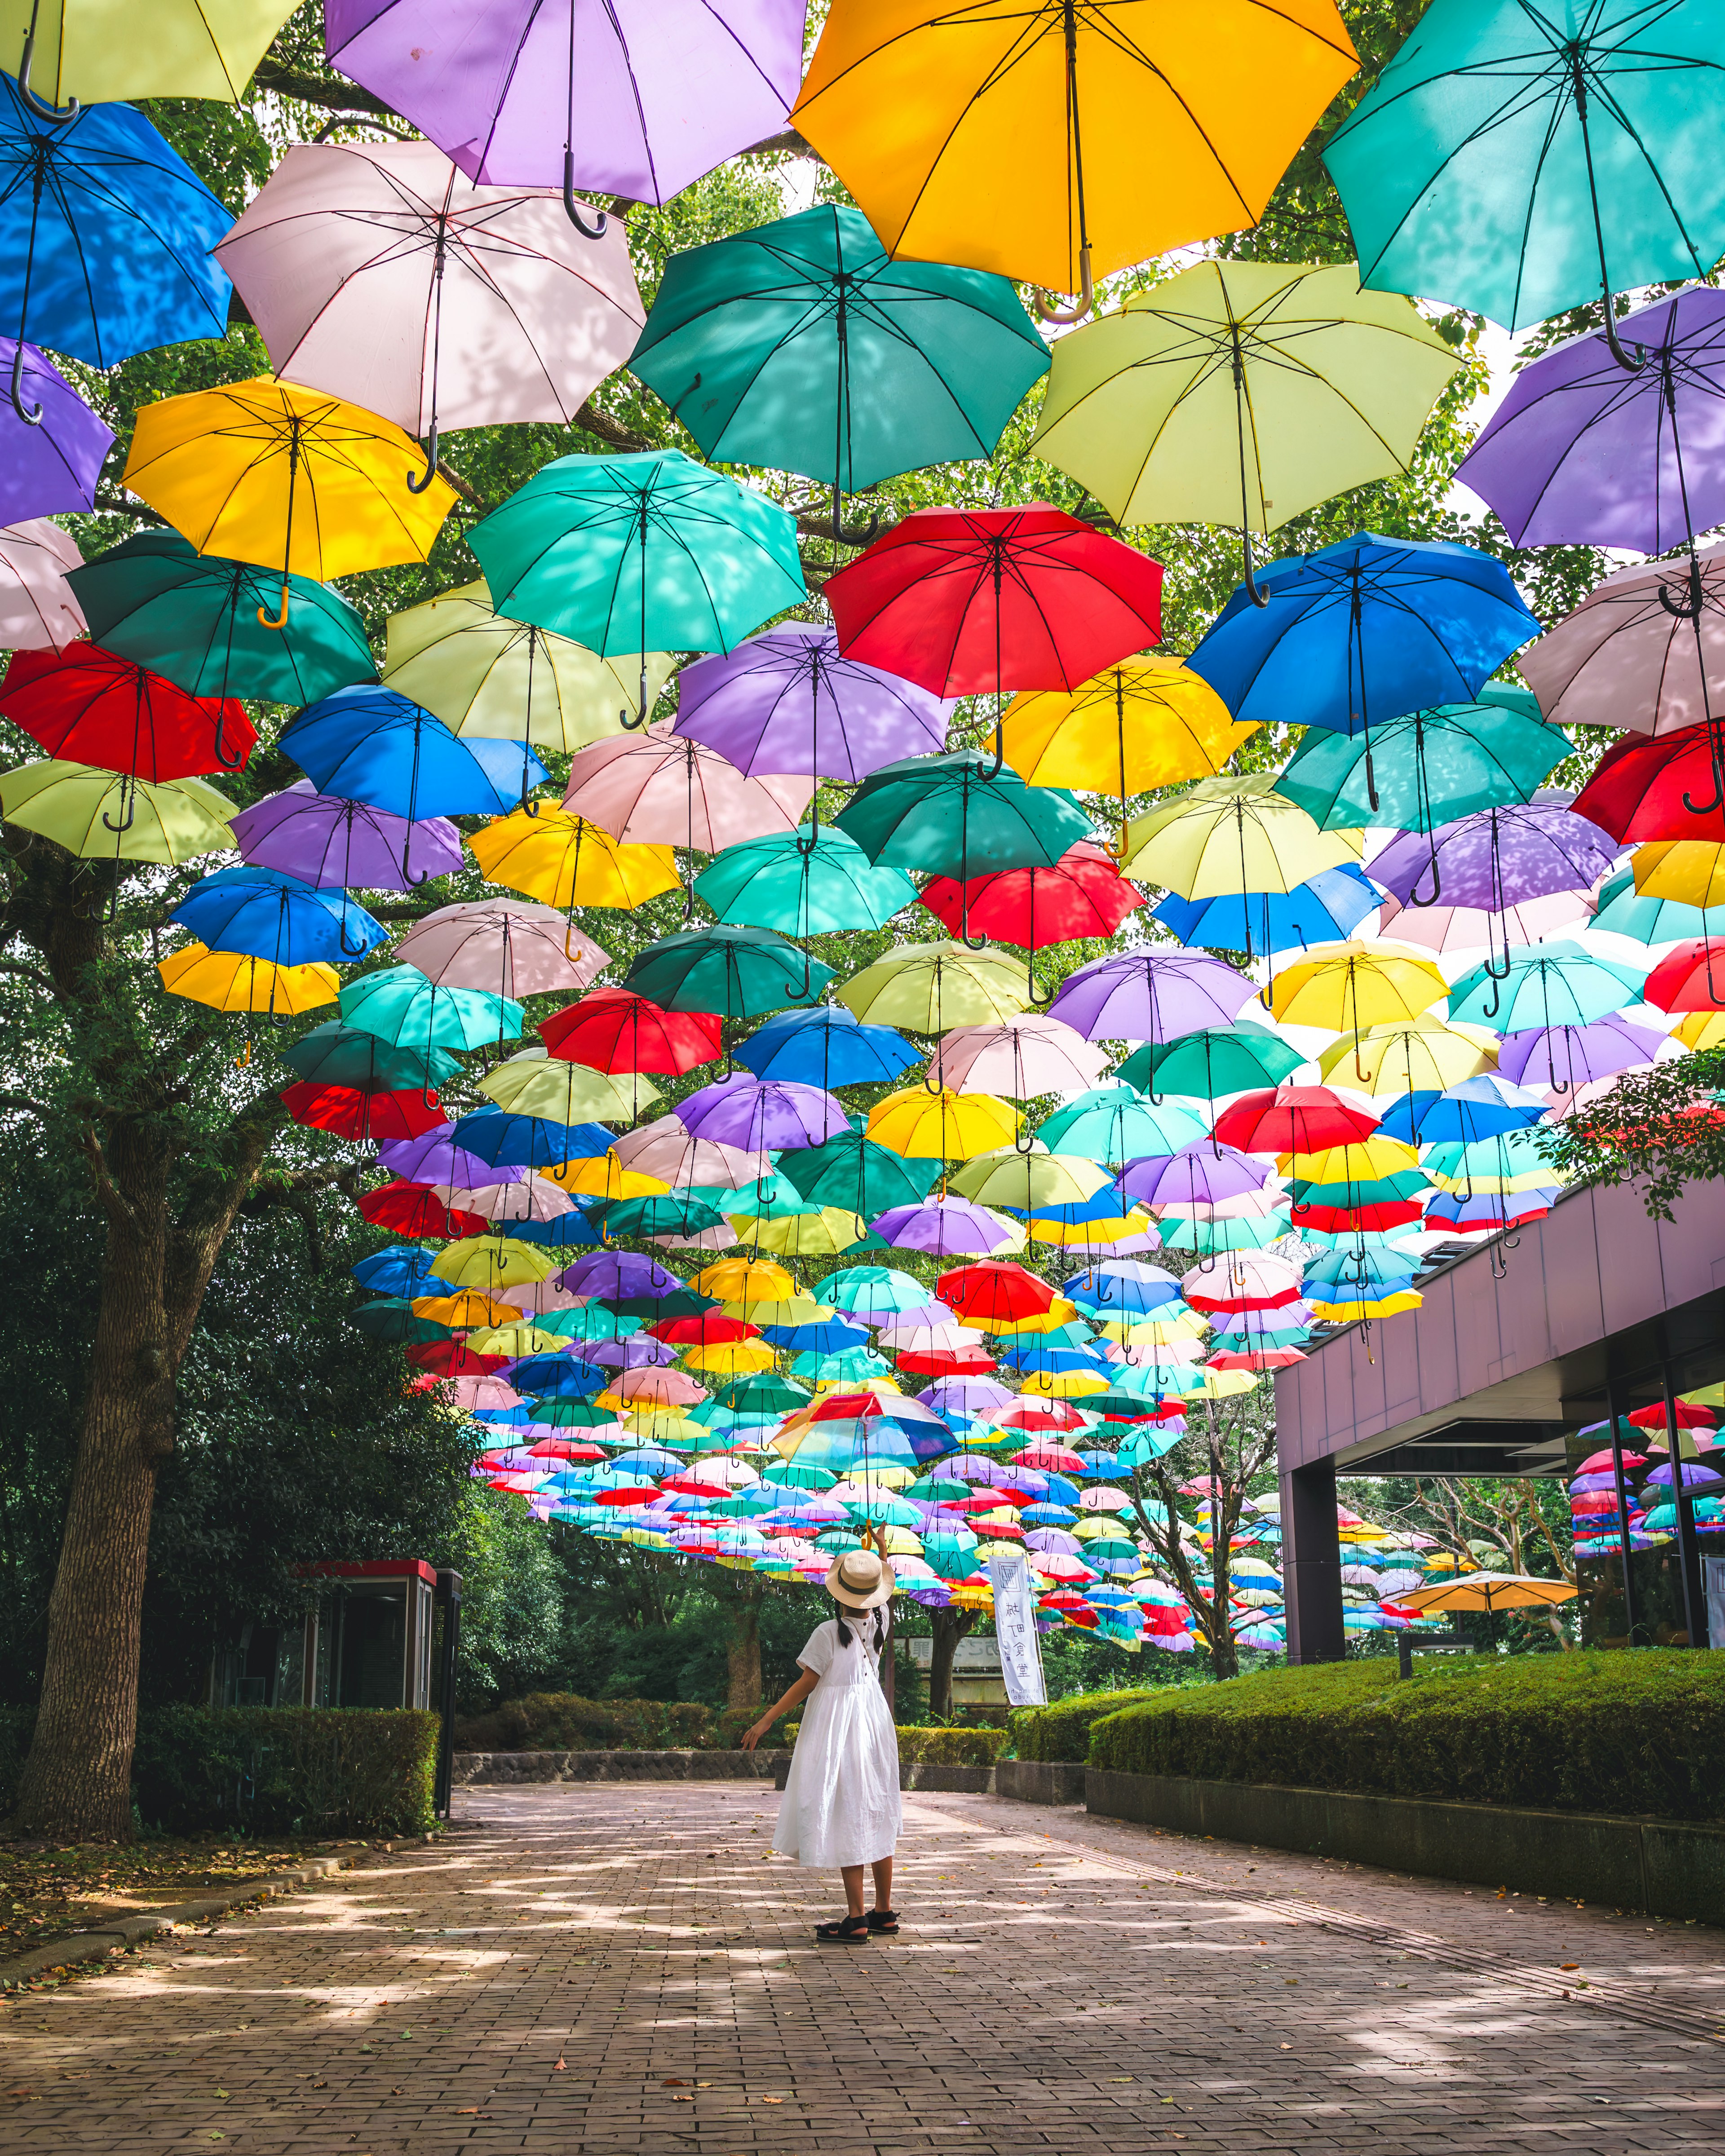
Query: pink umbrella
[657,1388]
[1623,659]
[1472,928]
[664,1149]
[512,947]
[381,273]
[1020,1057]
[656,788]
[486,1392]
[37,607]
[533,1198]
[533,1298]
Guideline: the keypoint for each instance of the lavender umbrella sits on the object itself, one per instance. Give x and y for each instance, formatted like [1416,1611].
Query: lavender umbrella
[640,1351]
[1151,995]
[435,1158]
[332,843]
[617,1275]
[50,467]
[964,1397]
[634,98]
[948,1228]
[1203,1174]
[1495,858]
[762,1115]
[1566,1057]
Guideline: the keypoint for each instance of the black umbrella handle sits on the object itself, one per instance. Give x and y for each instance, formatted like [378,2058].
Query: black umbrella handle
[416,483]
[572,209]
[31,414]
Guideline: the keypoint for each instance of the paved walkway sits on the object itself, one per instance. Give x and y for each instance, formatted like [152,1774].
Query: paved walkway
[622,1969]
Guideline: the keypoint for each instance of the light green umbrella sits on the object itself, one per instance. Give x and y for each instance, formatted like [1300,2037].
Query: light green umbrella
[819,884]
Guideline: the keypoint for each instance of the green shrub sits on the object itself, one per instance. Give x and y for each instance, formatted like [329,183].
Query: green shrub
[286,1770]
[1641,1731]
[561,1721]
[1062,1730]
[950,1748]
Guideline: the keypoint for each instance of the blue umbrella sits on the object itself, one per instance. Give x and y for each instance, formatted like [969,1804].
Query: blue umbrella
[1368,629]
[569,1231]
[400,1269]
[507,1140]
[558,1376]
[105,237]
[372,744]
[269,915]
[1326,908]
[1477,1108]
[827,1047]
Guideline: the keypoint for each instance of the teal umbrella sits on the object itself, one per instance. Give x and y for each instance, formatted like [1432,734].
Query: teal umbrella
[855,1173]
[1115,1124]
[1626,912]
[333,1053]
[775,883]
[1207,1237]
[400,1006]
[772,1198]
[1522,160]
[736,973]
[194,618]
[1206,1065]
[760,1392]
[393,1319]
[1430,767]
[679,1214]
[1545,985]
[803,346]
[646,553]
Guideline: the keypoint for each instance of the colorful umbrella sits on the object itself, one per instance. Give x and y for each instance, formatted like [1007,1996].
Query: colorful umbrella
[1294,1120]
[1625,658]
[1019,1057]
[331,843]
[566,861]
[38,606]
[1327,907]
[1552,984]
[663,789]
[1114,1123]
[1497,858]
[1224,836]
[231,981]
[544,1088]
[1430,767]
[52,460]
[1149,995]
[343,1055]
[506,944]
[943,1126]
[858,1175]
[267,915]
[736,973]
[402,1008]
[949,1227]
[99,815]
[827,1047]
[195,48]
[762,1115]
[618,1030]
[929,987]
[803,889]
[1210,1062]
[89,706]
[1082,895]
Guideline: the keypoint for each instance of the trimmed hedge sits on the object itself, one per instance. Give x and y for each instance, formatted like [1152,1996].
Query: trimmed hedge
[1062,1729]
[950,1748]
[563,1722]
[1635,1732]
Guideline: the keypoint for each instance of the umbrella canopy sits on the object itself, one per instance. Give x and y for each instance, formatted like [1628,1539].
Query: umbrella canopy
[329,842]
[231,981]
[566,862]
[814,886]
[338,1055]
[364,1118]
[658,95]
[193,617]
[1691,871]
[1228,835]
[1211,1061]
[949,1227]
[1327,907]
[1350,987]
[1114,1123]
[514,315]
[368,743]
[1497,858]
[929,987]
[1565,1057]
[543,1087]
[1154,994]
[974,95]
[52,459]
[1521,163]
[1421,1057]
[762,1115]
[484,673]
[92,706]
[402,1007]
[858,1175]
[1665,788]
[268,915]
[1288,1120]
[1488,1591]
[1083,895]
[827,1047]
[1624,658]
[1552,984]
[736,973]
[660,788]
[506,944]
[943,1126]
[38,605]
[1020,1057]
[803,346]
[100,815]
[1428,767]
[618,1030]
[1028,1182]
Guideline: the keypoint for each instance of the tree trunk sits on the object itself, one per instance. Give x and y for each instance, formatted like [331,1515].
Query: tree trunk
[950,1627]
[742,1651]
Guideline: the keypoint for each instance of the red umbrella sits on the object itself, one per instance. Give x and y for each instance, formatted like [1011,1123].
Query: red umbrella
[614,1029]
[453,1359]
[708,1330]
[359,1115]
[1049,1459]
[1293,1119]
[1642,787]
[1691,977]
[1689,1417]
[1083,895]
[412,1208]
[1342,1219]
[92,707]
[964,600]
[1256,1358]
[989,1293]
[965,1362]
[1038,1415]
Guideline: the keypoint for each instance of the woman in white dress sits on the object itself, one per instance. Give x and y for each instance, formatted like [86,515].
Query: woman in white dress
[841,1804]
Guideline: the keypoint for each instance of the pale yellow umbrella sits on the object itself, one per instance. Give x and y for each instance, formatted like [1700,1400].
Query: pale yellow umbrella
[520,1339]
[116,51]
[488,1262]
[1219,1385]
[1224,836]
[930,987]
[821,1234]
[233,981]
[107,815]
[1029,1181]
[1424,1054]
[534,1083]
[944,1125]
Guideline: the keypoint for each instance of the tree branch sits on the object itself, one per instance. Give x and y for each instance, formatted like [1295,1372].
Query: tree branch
[25,971]
[329,93]
[23,1101]
[117,1207]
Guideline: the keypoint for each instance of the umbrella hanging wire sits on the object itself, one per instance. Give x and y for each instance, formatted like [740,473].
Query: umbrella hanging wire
[1086,293]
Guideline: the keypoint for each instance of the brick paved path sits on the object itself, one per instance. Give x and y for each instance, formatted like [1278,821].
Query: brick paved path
[621,1969]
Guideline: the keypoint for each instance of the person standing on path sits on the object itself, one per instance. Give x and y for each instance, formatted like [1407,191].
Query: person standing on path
[841,1802]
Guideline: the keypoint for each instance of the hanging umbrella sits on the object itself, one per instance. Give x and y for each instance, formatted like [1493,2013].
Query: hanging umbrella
[968,601]
[782,881]
[1363,631]
[859,1175]
[51,462]
[949,1227]
[1497,858]
[230,981]
[1326,908]
[1623,658]
[363,1118]
[408,1209]
[1478,1108]
[193,617]
[662,788]
[1689,978]
[618,1030]
[736,973]
[98,814]
[402,1007]
[329,842]
[504,944]
[483,674]
[516,317]
[641,552]
[1242,393]
[943,1126]
[1552,984]
[1028,1182]
[1350,987]
[1116,1124]
[343,1055]
[1291,1120]
[827,1047]
[1155,994]
[1061,100]
[566,862]
[761,1116]
[1522,162]
[1421,1056]
[267,915]
[195,48]
[263,471]
[1209,1062]
[1689,872]
[1430,767]
[370,744]
[1020,1057]
[633,102]
[1082,895]
[90,706]
[491,1262]
[1567,1057]
[1444,929]
[929,987]
[544,1088]
[1662,787]
[1203,1175]
[1224,836]
[38,605]
[438,1158]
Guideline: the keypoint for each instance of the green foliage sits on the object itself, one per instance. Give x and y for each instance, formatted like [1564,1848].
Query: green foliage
[561,1721]
[1663,1126]
[950,1748]
[1639,1733]
[1062,1730]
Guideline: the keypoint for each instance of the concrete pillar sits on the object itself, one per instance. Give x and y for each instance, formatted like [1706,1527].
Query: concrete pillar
[1311,1563]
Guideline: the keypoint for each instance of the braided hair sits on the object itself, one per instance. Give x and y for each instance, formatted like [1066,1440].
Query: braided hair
[844,1630]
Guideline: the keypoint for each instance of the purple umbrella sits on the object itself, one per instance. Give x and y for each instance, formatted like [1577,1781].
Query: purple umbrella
[634,98]
[1151,995]
[435,1158]
[641,1351]
[1202,1174]
[1565,1056]
[762,1115]
[331,843]
[1495,858]
[995,1474]
[966,1396]
[948,1227]
[618,1276]
[50,467]
[785,701]
[1581,451]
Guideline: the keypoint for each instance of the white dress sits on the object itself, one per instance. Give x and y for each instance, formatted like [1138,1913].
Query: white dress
[841,1804]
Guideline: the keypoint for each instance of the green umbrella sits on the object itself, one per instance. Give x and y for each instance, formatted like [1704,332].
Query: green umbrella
[851,1366]
[194,618]
[591,1321]
[770,1198]
[854,1172]
[400,1006]
[1350,1192]
[1209,1237]
[1206,1065]
[679,1214]
[736,973]
[946,816]
[1430,767]
[336,1054]
[877,1289]
[775,883]
[1114,1123]
[393,1319]
[760,1392]
[571,1414]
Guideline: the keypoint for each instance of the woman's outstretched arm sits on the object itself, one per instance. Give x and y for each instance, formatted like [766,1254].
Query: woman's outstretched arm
[797,1693]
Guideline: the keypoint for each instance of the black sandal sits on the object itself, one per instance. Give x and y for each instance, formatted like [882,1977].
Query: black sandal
[848,1931]
[882,1920]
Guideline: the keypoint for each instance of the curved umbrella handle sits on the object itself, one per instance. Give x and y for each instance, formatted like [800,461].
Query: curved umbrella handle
[1035,1001]
[1689,609]
[61,115]
[419,484]
[570,210]
[31,414]
[278,620]
[413,882]
[1628,366]
[348,950]
[1257,598]
[1437,885]
[1087,296]
[1708,808]
[227,762]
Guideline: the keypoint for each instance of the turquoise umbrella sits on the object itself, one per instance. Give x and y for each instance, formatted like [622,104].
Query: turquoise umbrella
[647,552]
[735,972]
[1522,159]
[399,1005]
[1430,767]
[1114,1123]
[1626,912]
[803,346]
[775,883]
[1206,1064]
[1545,985]
[681,1213]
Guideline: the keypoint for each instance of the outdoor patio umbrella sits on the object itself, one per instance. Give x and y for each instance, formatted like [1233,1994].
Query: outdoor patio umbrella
[1488,1591]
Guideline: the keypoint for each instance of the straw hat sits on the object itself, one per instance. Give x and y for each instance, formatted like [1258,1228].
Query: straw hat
[860,1580]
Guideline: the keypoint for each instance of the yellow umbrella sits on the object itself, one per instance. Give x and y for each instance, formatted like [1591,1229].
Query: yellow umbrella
[466,1309]
[1423,1055]
[1060,1234]
[787,1309]
[1490,1590]
[1351,1313]
[821,1234]
[113,51]
[488,1262]
[730,1358]
[106,815]
[1062,1384]
[944,1126]
[1350,987]
[1691,871]
[1029,1181]
[930,987]
[521,1338]
[1219,1385]
[1363,1161]
[1702,1029]
[749,1280]
[485,674]
[1013,139]
[1150,721]
[1059,1313]
[563,860]
[1224,836]
[266,471]
[604,1176]
[536,1084]
[232,981]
